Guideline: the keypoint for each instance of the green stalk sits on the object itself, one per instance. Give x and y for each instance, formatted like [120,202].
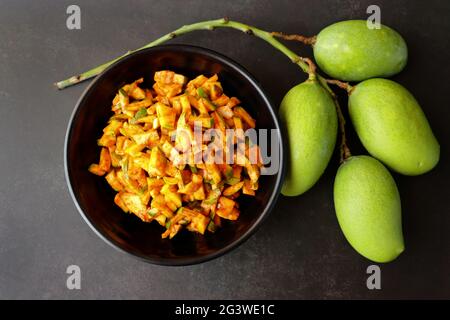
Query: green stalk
[203,25]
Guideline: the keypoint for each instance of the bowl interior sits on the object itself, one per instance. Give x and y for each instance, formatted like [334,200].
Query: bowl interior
[93,195]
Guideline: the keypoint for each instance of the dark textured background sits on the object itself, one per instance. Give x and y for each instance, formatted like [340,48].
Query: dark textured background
[299,252]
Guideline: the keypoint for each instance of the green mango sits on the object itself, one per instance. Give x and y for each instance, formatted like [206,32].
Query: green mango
[350,51]
[309,116]
[368,208]
[392,126]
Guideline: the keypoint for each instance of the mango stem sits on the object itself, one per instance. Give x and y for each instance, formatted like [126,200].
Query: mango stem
[343,149]
[311,68]
[295,37]
[341,84]
[203,25]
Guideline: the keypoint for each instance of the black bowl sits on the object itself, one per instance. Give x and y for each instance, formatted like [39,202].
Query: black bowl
[93,196]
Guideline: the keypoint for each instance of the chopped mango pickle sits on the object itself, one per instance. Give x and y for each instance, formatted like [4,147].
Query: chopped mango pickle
[166,116]
[139,105]
[240,112]
[111,178]
[157,162]
[216,91]
[140,114]
[202,94]
[226,112]
[119,202]
[233,189]
[108,139]
[221,101]
[204,121]
[134,204]
[113,127]
[105,160]
[95,169]
[226,209]
[138,94]
[149,152]
[247,188]
[199,223]
[146,138]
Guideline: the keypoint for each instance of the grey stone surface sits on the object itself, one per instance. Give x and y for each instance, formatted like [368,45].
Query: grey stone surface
[298,253]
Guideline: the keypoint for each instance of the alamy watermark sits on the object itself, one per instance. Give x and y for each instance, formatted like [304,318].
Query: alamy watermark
[374,280]
[73,281]
[374,20]
[260,147]
[73,21]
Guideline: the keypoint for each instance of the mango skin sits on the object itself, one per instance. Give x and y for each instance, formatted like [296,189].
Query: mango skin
[368,208]
[392,126]
[350,51]
[308,114]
